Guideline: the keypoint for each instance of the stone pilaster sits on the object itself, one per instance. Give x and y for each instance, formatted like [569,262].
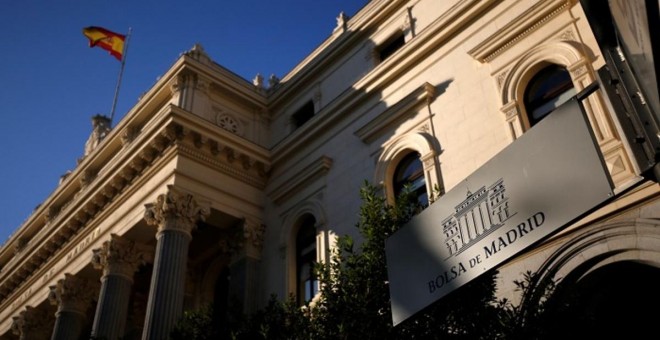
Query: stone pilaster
[32,323]
[244,266]
[119,259]
[73,296]
[176,215]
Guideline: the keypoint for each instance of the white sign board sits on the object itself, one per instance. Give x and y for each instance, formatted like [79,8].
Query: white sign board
[547,178]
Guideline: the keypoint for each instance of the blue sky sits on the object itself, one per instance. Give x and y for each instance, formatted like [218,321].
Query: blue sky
[52,83]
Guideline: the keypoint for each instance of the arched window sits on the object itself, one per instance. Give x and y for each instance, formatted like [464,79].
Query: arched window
[411,171]
[306,281]
[547,90]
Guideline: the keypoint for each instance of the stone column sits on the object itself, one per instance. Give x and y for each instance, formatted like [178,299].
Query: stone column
[244,265]
[175,214]
[32,323]
[119,259]
[73,296]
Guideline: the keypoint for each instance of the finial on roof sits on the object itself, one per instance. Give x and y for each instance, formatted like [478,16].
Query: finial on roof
[197,52]
[258,81]
[342,22]
[273,81]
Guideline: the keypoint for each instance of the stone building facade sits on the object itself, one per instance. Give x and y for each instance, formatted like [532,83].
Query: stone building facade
[216,189]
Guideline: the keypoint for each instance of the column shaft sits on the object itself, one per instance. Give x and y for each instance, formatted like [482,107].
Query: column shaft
[112,308]
[166,293]
[68,325]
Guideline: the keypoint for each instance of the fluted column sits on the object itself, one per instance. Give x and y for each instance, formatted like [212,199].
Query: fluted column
[73,296]
[119,259]
[175,214]
[32,323]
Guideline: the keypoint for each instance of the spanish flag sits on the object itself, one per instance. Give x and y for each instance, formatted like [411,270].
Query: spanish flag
[105,39]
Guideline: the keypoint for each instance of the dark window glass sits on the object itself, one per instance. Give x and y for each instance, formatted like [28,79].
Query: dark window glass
[391,46]
[548,89]
[410,171]
[305,113]
[305,259]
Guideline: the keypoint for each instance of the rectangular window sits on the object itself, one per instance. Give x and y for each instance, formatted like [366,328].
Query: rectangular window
[390,46]
[305,113]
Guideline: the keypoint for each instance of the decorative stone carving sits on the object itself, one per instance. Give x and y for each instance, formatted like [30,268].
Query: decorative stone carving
[20,245]
[342,22]
[258,81]
[500,78]
[100,129]
[245,161]
[87,177]
[214,147]
[175,210]
[273,81]
[510,110]
[129,135]
[262,169]
[73,293]
[197,139]
[64,176]
[159,144]
[230,154]
[174,132]
[202,85]
[228,123]
[567,35]
[148,155]
[197,52]
[233,239]
[32,323]
[120,256]
[253,231]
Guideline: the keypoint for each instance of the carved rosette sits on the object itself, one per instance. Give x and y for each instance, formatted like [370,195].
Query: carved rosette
[73,294]
[33,322]
[175,211]
[120,256]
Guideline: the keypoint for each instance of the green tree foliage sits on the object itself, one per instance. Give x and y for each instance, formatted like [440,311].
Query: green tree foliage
[194,325]
[354,301]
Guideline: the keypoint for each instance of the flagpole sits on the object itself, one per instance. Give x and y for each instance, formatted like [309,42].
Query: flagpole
[121,72]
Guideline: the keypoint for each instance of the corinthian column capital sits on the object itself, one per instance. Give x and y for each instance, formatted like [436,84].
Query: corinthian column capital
[176,211]
[73,294]
[120,256]
[253,231]
[32,323]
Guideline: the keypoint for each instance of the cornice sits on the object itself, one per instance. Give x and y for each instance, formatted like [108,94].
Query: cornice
[456,18]
[519,27]
[172,132]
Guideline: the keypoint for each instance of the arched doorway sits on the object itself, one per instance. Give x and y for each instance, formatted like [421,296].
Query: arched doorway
[616,301]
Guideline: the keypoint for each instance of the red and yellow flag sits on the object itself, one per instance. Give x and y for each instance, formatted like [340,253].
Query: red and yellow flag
[105,39]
